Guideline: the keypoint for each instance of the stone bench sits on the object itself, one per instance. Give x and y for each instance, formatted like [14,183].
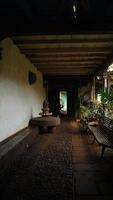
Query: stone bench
[47,123]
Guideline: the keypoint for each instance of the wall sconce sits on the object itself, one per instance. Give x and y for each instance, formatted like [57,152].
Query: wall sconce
[32,78]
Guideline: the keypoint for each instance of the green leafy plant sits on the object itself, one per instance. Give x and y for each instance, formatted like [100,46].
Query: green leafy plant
[106,96]
[107,101]
[86,112]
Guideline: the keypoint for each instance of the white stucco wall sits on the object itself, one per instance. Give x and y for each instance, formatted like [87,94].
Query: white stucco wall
[19,101]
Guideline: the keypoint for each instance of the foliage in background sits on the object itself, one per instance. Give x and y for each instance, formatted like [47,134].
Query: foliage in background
[106,96]
[87,111]
[91,112]
[107,100]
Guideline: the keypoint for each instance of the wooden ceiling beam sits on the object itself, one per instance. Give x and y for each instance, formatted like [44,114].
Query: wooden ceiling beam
[62,45]
[65,37]
[67,62]
[66,66]
[72,54]
[68,41]
[67,58]
[68,71]
[42,54]
[67,50]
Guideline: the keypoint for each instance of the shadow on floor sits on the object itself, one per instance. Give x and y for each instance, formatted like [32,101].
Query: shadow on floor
[60,166]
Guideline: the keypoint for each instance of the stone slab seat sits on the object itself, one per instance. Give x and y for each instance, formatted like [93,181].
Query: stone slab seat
[49,122]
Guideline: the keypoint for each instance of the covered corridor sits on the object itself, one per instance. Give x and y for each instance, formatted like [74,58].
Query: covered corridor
[47,47]
[64,165]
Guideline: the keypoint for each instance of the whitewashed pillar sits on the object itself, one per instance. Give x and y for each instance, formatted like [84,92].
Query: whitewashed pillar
[93,91]
[105,80]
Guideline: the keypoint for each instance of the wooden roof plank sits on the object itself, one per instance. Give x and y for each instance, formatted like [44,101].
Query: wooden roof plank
[79,66]
[68,62]
[34,53]
[66,45]
[66,58]
[65,37]
[68,49]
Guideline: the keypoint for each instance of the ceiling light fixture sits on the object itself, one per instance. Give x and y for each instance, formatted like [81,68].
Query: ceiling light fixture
[74,8]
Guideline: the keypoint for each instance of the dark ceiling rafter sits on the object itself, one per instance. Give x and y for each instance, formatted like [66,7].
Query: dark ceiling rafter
[57,40]
[67,56]
[67,50]
[78,54]
[64,66]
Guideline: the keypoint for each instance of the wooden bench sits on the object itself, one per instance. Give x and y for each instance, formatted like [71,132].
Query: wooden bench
[103,134]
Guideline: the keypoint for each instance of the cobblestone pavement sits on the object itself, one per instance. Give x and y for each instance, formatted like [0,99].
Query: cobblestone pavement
[60,166]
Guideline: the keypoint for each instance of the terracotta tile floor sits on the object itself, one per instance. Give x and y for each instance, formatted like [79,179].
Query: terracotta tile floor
[64,165]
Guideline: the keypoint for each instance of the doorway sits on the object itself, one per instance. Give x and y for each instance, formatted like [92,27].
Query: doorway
[63,102]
